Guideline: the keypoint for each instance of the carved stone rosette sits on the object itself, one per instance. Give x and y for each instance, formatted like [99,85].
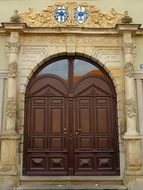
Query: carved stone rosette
[131,108]
[12,70]
[11,108]
[12,47]
[129,48]
[129,69]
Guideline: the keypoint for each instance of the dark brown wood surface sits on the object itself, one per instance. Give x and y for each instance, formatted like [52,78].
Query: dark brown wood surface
[71,125]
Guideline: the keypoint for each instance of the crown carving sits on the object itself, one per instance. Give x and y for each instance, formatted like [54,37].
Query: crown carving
[95,18]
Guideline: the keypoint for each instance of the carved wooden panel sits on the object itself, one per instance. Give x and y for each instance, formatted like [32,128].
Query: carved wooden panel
[56,143]
[103,143]
[39,121]
[38,143]
[56,121]
[102,113]
[105,163]
[58,163]
[84,163]
[36,162]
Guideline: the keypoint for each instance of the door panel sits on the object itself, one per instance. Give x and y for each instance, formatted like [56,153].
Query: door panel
[94,129]
[39,121]
[47,146]
[102,114]
[57,123]
[83,124]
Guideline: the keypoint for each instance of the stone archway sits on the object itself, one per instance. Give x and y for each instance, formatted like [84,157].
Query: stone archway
[71,120]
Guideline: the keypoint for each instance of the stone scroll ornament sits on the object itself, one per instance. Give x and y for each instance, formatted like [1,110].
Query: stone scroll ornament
[129,48]
[12,70]
[129,69]
[71,14]
[131,108]
[11,108]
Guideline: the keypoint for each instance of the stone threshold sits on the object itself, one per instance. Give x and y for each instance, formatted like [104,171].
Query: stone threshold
[74,187]
[114,180]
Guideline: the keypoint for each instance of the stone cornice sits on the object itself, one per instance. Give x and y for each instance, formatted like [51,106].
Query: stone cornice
[10,27]
[127,27]
[22,28]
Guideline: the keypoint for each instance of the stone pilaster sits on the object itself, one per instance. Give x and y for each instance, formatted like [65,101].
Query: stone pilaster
[132,137]
[130,90]
[9,138]
[12,48]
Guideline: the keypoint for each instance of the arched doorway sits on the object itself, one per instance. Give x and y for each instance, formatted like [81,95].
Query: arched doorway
[70,120]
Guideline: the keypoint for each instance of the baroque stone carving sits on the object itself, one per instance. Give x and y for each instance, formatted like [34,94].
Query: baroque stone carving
[15,18]
[12,47]
[131,108]
[11,107]
[126,19]
[129,48]
[129,69]
[12,70]
[96,18]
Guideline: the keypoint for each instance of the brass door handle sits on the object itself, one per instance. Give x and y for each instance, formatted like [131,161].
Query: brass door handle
[65,131]
[77,130]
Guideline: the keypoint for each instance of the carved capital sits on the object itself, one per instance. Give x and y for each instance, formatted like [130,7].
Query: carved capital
[11,108]
[131,108]
[12,70]
[129,48]
[12,47]
[129,69]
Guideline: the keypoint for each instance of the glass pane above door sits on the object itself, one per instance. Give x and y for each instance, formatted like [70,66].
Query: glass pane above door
[82,68]
[59,68]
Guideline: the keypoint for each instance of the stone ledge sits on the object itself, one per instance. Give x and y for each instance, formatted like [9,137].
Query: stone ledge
[131,137]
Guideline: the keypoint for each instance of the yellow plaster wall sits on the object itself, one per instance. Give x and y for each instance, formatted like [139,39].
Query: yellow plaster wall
[135,8]
[139,53]
[3,56]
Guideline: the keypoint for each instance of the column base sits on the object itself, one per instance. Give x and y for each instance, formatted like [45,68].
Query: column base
[8,171]
[134,172]
[133,155]
[9,133]
[9,155]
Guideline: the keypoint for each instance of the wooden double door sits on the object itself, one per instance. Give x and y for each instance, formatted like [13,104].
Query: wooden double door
[70,126]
